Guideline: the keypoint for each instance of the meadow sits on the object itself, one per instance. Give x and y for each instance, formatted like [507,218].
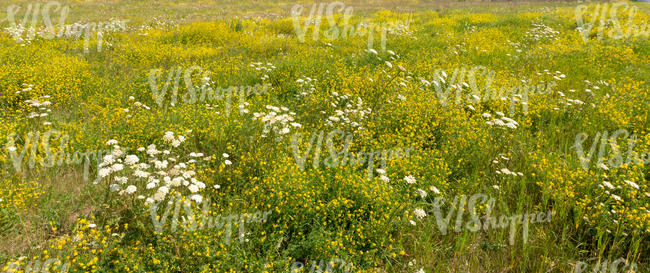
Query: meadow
[292,136]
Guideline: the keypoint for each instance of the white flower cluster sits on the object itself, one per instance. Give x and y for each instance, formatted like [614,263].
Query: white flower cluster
[163,172]
[278,120]
[503,121]
[136,104]
[41,109]
[265,68]
[306,85]
[541,32]
[504,171]
[18,31]
[26,88]
[25,35]
[352,113]
[401,29]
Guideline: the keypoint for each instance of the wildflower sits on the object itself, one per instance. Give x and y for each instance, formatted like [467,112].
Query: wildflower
[131,159]
[103,172]
[227,162]
[632,184]
[420,213]
[434,189]
[130,189]
[168,137]
[196,198]
[117,167]
[422,193]
[410,179]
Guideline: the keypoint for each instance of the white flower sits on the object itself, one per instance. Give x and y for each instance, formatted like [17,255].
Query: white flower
[104,172]
[11,149]
[92,225]
[225,155]
[130,189]
[159,196]
[384,179]
[434,189]
[412,222]
[117,167]
[389,64]
[420,213]
[142,174]
[496,187]
[410,179]
[196,198]
[109,159]
[381,171]
[616,197]
[169,136]
[131,159]
[609,185]
[603,166]
[420,271]
[111,142]
[227,162]
[216,187]
[160,164]
[121,179]
[176,143]
[632,184]
[117,153]
[163,189]
[422,193]
[193,188]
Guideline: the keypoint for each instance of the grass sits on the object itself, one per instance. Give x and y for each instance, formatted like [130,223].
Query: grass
[526,162]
